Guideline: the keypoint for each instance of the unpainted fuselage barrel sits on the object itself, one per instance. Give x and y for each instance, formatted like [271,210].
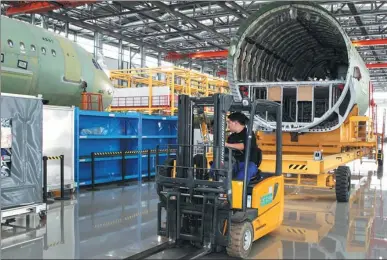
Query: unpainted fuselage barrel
[296,53]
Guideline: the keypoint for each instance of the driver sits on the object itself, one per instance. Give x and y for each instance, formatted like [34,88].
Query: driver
[237,140]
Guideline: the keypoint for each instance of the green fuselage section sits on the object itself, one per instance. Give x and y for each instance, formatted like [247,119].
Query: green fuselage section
[35,61]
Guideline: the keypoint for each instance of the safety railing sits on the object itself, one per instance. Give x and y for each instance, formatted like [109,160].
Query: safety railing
[141,102]
[123,155]
[91,101]
[174,80]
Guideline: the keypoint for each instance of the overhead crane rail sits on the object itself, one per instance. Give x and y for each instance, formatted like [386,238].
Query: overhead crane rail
[156,89]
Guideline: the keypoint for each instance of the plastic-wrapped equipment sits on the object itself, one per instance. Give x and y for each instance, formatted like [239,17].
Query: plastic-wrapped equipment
[21,156]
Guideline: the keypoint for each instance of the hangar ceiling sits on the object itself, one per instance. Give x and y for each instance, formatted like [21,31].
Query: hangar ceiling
[196,26]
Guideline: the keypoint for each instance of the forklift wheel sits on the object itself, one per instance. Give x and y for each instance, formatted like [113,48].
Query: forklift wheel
[241,240]
[343,183]
[380,162]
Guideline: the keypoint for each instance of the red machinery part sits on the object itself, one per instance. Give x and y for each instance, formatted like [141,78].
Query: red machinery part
[42,6]
[376,65]
[369,42]
[196,55]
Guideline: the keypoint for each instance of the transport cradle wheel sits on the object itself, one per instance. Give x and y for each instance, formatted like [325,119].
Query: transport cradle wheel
[43,215]
[241,239]
[380,162]
[343,183]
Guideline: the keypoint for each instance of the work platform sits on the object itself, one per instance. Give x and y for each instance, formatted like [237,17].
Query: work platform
[319,159]
[305,170]
[154,90]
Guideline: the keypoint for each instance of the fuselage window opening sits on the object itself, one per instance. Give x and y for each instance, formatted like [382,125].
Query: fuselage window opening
[10,43]
[33,48]
[53,53]
[22,46]
[2,57]
[44,50]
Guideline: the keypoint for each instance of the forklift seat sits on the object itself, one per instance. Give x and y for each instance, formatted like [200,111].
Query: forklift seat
[258,177]
[259,157]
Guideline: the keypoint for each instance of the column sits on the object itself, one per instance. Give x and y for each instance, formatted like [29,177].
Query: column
[67,29]
[142,54]
[159,65]
[120,55]
[97,44]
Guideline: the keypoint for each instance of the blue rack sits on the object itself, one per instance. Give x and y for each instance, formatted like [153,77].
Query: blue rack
[103,132]
[156,130]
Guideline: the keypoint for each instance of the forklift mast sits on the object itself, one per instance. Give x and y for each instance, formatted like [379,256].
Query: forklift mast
[186,109]
[222,104]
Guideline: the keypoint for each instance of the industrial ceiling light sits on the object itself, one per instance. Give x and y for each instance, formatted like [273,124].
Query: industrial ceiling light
[293,13]
[307,16]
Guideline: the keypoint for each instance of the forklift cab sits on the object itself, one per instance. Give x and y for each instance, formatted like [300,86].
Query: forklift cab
[218,212]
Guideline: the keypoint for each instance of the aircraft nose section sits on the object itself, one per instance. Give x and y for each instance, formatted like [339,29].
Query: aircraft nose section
[107,96]
[106,88]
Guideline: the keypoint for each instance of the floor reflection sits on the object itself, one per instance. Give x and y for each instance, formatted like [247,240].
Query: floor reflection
[116,222]
[315,226]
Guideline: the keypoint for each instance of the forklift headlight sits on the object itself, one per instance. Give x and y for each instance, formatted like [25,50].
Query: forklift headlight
[222,195]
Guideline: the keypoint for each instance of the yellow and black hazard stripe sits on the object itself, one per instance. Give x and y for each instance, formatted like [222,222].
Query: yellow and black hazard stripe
[296,231]
[54,157]
[107,153]
[131,152]
[54,244]
[299,167]
[122,219]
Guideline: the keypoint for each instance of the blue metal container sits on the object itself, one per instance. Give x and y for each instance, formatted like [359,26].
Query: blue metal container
[104,133]
[157,130]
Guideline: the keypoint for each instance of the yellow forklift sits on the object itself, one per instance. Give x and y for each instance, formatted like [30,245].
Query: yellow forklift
[202,204]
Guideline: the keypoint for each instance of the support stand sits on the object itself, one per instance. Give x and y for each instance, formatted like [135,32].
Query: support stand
[62,197]
[149,164]
[93,188]
[45,193]
[123,171]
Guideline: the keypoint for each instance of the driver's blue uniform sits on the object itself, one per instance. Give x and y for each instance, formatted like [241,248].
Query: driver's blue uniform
[238,167]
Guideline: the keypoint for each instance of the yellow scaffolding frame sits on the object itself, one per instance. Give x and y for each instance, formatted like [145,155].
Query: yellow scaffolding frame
[179,80]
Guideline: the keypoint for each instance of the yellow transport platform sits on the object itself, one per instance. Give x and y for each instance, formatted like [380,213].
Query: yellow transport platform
[319,159]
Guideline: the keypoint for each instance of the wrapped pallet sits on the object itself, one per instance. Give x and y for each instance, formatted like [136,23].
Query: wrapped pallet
[21,151]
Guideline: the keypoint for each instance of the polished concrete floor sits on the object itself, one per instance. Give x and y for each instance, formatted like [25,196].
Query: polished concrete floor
[117,222]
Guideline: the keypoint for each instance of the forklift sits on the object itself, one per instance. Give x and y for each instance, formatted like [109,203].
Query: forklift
[202,204]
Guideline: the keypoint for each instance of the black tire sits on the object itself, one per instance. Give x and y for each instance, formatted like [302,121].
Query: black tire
[241,240]
[201,163]
[380,162]
[343,183]
[167,169]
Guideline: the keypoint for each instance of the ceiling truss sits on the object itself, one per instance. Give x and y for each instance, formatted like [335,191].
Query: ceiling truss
[186,26]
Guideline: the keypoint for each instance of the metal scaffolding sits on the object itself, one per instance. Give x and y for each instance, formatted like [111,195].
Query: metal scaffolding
[156,89]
